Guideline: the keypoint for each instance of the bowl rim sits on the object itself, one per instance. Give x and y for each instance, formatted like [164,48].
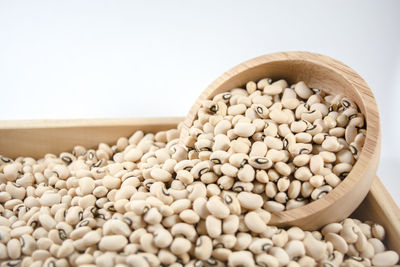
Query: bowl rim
[371,114]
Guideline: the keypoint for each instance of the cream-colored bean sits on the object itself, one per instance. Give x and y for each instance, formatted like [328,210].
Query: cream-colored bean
[217,207]
[112,242]
[214,226]
[387,258]
[254,222]
[240,258]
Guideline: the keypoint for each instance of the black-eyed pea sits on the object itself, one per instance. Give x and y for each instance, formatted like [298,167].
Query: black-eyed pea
[317,180]
[332,180]
[271,129]
[180,205]
[314,248]
[14,248]
[294,189]
[262,176]
[189,216]
[306,189]
[295,249]
[280,254]
[40,255]
[249,200]
[264,259]
[186,230]
[301,160]
[303,174]
[295,233]
[386,258]
[229,170]
[260,245]
[240,258]
[237,109]
[348,231]
[342,169]
[331,144]
[296,203]
[200,207]
[320,192]
[368,251]
[242,187]
[254,222]
[283,184]
[262,163]
[28,244]
[281,197]
[377,244]
[213,226]
[180,246]
[332,228]
[273,206]
[311,116]
[303,137]
[280,238]
[166,257]
[378,231]
[338,242]
[275,88]
[136,261]
[225,182]
[221,254]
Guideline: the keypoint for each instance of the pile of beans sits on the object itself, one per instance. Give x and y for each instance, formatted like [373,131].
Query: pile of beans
[149,200]
[290,145]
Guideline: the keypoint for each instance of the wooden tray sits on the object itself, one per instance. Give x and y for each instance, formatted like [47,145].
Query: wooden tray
[36,138]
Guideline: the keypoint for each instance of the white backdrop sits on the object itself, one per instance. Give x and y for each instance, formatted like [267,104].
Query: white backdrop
[108,59]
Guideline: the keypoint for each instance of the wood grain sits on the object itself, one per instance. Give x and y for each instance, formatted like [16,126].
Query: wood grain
[36,138]
[318,71]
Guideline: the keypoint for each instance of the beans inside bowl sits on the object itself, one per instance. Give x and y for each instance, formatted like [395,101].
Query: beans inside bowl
[289,144]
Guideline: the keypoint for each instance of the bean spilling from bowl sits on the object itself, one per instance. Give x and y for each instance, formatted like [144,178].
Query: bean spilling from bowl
[145,201]
[290,145]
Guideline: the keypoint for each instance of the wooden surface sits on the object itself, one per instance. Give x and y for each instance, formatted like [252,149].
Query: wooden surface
[378,206]
[36,138]
[317,71]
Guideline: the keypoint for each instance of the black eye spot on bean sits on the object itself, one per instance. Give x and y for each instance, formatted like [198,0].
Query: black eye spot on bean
[311,128]
[5,160]
[83,223]
[22,240]
[203,171]
[238,188]
[214,108]
[261,160]
[228,199]
[62,234]
[34,224]
[66,159]
[13,263]
[212,262]
[216,161]
[266,246]
[304,151]
[352,116]
[218,245]
[226,96]
[164,192]
[127,221]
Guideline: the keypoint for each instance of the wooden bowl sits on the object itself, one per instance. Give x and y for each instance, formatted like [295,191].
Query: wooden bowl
[317,71]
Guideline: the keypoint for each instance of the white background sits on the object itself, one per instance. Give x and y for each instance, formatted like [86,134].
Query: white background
[109,59]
